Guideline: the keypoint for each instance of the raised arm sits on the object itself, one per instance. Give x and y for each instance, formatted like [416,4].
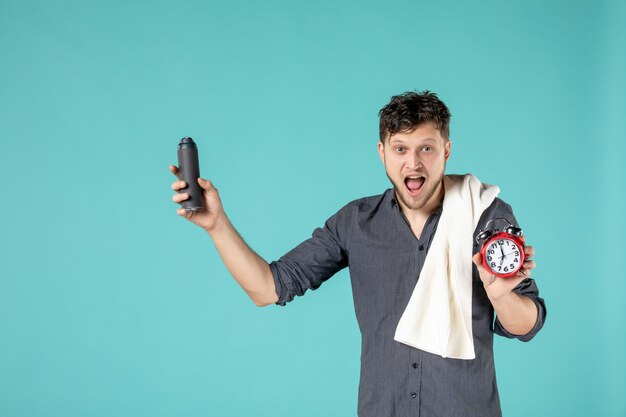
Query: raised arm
[517,313]
[250,271]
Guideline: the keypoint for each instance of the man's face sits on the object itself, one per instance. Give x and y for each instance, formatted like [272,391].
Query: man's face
[415,163]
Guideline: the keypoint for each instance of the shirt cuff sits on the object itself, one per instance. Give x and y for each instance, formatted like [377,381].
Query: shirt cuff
[499,329]
[282,290]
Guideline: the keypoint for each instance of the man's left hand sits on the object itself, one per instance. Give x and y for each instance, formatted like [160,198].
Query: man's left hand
[496,287]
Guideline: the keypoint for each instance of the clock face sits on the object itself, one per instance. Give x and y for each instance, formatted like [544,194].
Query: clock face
[503,256]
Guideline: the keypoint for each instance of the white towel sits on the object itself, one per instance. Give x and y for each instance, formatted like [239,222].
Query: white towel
[438,318]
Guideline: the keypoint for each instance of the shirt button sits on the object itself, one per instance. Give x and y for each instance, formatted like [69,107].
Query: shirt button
[421,247]
[413,395]
[415,365]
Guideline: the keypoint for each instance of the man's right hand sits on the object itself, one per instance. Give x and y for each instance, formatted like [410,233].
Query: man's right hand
[211,215]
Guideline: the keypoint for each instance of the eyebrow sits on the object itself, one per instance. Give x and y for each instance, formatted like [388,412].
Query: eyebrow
[401,141]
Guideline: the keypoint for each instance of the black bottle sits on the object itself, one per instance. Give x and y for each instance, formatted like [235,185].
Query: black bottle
[189,171]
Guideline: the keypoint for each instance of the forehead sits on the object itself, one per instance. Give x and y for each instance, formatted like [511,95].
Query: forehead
[427,132]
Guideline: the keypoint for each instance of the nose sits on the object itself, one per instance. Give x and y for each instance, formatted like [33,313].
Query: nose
[413,161]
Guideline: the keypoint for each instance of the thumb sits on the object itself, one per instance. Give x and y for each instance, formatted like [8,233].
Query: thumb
[205,184]
[476,259]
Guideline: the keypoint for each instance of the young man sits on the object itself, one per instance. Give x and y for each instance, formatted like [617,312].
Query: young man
[442,363]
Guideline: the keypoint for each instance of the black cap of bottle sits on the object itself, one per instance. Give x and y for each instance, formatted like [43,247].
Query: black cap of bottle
[186,142]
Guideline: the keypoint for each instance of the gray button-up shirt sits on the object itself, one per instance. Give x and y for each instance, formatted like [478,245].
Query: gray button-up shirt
[372,237]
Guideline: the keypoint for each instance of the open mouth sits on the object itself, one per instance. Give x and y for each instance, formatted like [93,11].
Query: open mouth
[414,184]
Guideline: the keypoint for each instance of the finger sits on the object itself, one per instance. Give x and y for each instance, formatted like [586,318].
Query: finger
[178,198]
[184,213]
[529,265]
[523,238]
[524,273]
[529,251]
[205,184]
[178,185]
[174,170]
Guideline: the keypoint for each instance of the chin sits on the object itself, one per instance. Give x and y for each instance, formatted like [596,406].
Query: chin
[416,202]
[413,203]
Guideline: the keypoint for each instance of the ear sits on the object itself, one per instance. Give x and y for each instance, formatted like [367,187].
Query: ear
[381,151]
[446,151]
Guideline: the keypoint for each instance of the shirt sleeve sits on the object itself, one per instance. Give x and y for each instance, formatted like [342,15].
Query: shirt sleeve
[528,287]
[315,260]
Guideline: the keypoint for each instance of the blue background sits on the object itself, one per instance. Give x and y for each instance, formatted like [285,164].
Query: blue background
[113,305]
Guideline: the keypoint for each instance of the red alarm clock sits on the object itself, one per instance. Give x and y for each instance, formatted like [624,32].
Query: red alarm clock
[502,253]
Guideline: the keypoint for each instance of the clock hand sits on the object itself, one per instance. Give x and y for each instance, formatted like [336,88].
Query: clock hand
[502,257]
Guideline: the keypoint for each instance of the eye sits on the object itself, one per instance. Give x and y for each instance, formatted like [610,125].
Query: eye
[427,148]
[399,148]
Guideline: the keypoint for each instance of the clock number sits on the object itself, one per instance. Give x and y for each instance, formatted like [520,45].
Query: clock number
[488,258]
[501,242]
[515,260]
[493,264]
[491,251]
[512,266]
[516,253]
[506,269]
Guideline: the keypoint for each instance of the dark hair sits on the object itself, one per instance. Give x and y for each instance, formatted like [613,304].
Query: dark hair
[405,112]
